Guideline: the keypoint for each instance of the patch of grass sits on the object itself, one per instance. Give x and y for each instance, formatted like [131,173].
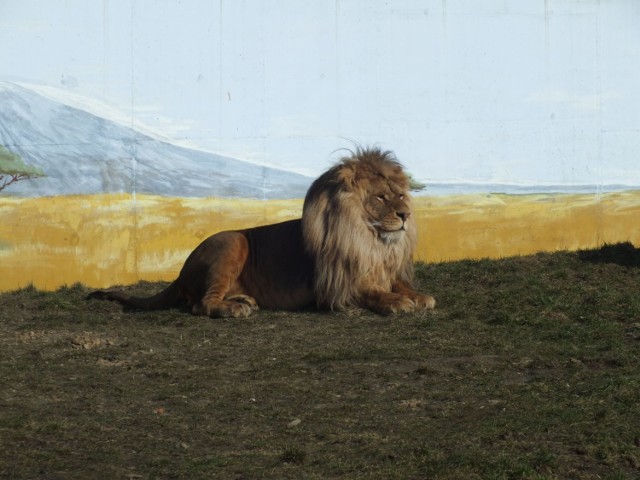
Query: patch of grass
[528,369]
[294,455]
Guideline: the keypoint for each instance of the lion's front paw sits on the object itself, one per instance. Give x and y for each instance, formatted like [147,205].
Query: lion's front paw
[389,303]
[398,304]
[423,301]
[403,305]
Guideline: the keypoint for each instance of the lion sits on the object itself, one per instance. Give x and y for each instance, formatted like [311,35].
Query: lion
[353,247]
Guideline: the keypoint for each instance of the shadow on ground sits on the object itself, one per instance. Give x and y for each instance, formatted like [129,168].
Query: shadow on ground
[623,254]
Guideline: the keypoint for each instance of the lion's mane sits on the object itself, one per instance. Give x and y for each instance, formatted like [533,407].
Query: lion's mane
[349,255]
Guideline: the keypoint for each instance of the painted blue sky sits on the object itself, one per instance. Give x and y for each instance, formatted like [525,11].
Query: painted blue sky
[535,92]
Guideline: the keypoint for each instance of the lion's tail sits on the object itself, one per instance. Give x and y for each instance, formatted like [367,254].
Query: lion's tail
[169,297]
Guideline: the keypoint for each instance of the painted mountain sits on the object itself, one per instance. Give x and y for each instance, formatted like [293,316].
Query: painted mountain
[81,153]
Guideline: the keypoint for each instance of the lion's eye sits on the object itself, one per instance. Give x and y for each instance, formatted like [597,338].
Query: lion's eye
[380,198]
[401,196]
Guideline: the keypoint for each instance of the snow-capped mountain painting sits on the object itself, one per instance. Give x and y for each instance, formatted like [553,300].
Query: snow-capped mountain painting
[82,153]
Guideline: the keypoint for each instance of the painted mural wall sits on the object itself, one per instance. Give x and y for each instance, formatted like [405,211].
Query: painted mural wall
[132,130]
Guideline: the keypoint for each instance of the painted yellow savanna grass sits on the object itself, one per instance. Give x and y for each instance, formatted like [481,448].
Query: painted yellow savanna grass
[495,226]
[105,240]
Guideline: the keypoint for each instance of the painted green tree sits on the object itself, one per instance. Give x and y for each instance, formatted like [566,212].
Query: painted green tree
[415,185]
[13,169]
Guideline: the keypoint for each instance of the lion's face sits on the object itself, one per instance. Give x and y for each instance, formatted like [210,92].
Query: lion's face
[387,211]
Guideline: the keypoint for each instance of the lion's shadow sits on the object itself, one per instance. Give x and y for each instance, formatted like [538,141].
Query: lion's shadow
[623,254]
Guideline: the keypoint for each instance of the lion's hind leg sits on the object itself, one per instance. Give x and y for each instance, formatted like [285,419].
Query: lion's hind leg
[234,306]
[244,299]
[223,257]
[223,309]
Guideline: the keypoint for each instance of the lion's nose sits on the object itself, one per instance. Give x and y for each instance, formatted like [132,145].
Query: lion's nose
[403,215]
